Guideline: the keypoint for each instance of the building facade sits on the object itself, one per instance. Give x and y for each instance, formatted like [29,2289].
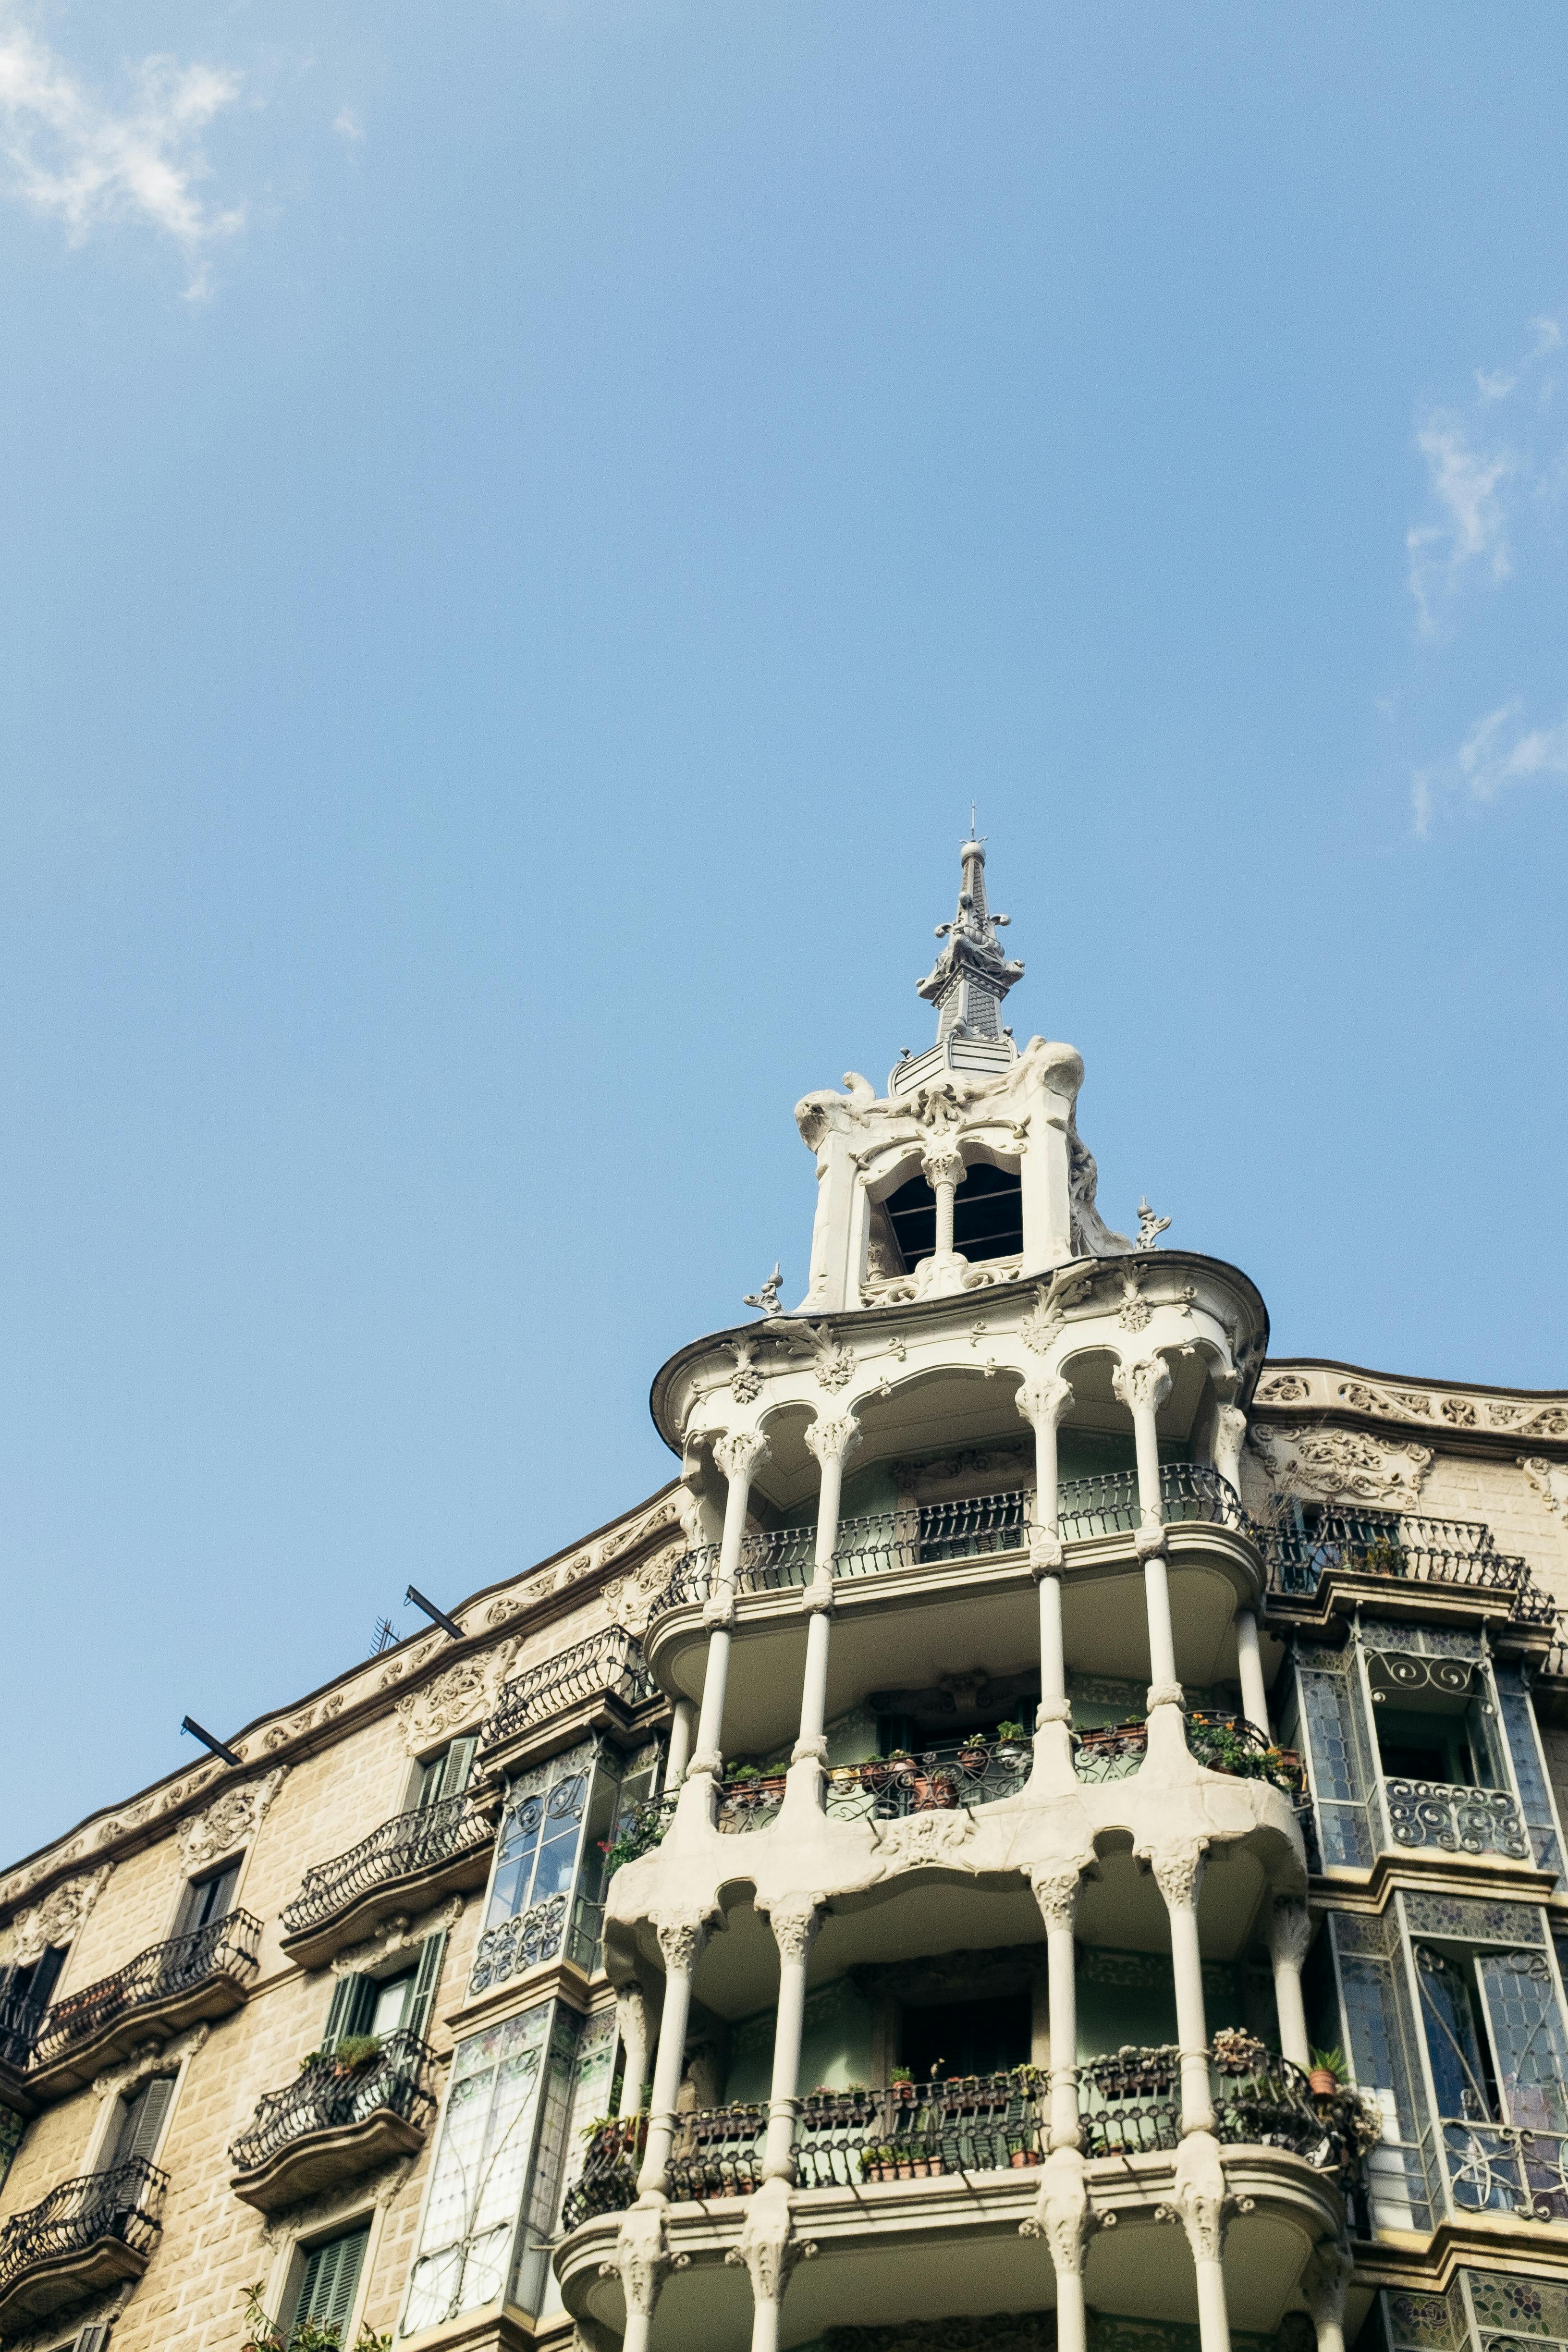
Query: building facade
[1045,1831]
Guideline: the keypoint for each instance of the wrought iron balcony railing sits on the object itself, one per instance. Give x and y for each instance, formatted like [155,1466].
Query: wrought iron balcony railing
[123,2203]
[223,1947]
[329,2096]
[1455,1820]
[1501,2168]
[1409,1549]
[975,1527]
[610,1663]
[419,1841]
[973,2122]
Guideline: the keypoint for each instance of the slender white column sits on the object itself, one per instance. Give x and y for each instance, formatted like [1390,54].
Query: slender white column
[833,1443]
[1143,1388]
[1179,1875]
[1289,1934]
[631,2017]
[681,1731]
[944,1172]
[1042,1402]
[1062,2211]
[1254,1697]
[642,2251]
[739,1458]
[682,1947]
[767,2245]
[1229,1436]
[1323,2283]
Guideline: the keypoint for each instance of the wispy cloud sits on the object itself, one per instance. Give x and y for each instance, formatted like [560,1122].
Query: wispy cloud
[348,126]
[1497,752]
[1471,476]
[1466,483]
[71,157]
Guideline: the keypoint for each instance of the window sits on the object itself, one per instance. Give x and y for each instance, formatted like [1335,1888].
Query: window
[481,2170]
[389,2004]
[966,2037]
[987,1215]
[537,1856]
[208,1899]
[330,2281]
[138,2126]
[443,1776]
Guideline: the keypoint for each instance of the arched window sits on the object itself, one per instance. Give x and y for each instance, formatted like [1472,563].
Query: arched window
[987,1215]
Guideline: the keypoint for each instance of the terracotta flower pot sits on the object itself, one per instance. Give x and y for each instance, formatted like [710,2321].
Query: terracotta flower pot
[874,1777]
[1321,2083]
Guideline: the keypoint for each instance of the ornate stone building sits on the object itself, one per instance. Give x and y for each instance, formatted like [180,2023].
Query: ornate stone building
[1043,1832]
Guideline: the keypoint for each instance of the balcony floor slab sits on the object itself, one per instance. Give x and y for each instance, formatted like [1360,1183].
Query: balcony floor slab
[322,2159]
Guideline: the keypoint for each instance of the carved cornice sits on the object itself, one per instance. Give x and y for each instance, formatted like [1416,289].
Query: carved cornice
[1462,1419]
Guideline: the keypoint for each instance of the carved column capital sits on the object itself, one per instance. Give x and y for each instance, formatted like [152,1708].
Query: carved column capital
[1063,2215]
[1178,1874]
[741,1456]
[1289,1928]
[719,1609]
[1056,1893]
[1046,1553]
[768,2247]
[1144,1385]
[1201,2200]
[833,1441]
[1229,1436]
[682,1942]
[1150,1540]
[1324,2281]
[794,1932]
[941,1167]
[643,2259]
[1043,1399]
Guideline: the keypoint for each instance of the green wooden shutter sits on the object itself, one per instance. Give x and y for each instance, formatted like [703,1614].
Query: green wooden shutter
[141,2122]
[458,1765]
[340,2016]
[332,2275]
[430,1954]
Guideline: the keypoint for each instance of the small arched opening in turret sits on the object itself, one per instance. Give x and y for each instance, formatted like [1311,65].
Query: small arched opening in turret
[987,1216]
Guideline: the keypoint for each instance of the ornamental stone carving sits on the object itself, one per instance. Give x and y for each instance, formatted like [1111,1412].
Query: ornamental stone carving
[58,1918]
[630,1598]
[1062,2214]
[767,2246]
[833,1441]
[682,1942]
[1056,1893]
[457,1700]
[1342,1464]
[151,2058]
[944,1167]
[1285,1388]
[741,1455]
[399,1934]
[1043,1399]
[1201,2200]
[1290,1931]
[928,1837]
[230,1821]
[643,2259]
[1142,1386]
[794,1932]
[1178,1874]
[1230,1437]
[1324,2281]
[1550,1480]
[383,2188]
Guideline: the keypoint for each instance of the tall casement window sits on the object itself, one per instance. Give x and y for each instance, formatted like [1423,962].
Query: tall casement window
[1415,1737]
[209,1899]
[443,1777]
[497,2182]
[547,1887]
[397,2004]
[329,2281]
[1453,2016]
[138,2123]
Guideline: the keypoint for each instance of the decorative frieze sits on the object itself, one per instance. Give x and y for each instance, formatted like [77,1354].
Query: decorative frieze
[231,1820]
[1342,1464]
[1327,1388]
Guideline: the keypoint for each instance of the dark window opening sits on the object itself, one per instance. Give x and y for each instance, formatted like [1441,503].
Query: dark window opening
[966,2037]
[987,1215]
[209,1898]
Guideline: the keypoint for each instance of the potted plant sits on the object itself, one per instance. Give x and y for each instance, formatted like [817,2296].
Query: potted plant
[901,1765]
[1012,1745]
[1236,2052]
[937,1793]
[974,1755]
[354,2053]
[874,1774]
[1326,2075]
[901,2083]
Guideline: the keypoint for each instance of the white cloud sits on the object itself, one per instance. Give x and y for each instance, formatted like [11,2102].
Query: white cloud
[348,126]
[1495,753]
[1466,483]
[72,158]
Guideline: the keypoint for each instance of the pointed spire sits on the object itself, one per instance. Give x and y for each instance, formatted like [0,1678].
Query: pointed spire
[971,976]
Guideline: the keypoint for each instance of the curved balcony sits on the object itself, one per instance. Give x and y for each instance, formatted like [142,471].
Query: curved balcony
[603,1676]
[169,1986]
[1344,1551]
[410,1861]
[339,2117]
[86,2235]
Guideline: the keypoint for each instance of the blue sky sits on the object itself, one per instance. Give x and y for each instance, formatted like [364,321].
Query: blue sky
[525,526]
